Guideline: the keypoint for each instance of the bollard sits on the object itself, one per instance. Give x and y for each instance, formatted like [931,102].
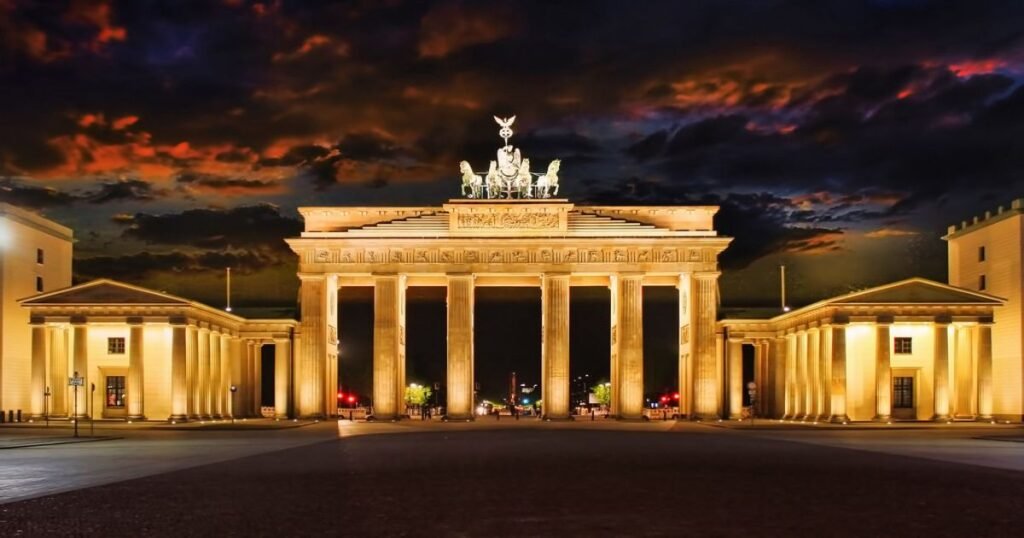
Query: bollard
[350,415]
[10,415]
[19,415]
[2,416]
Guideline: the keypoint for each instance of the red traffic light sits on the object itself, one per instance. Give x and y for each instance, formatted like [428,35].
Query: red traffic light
[664,399]
[675,396]
[341,395]
[351,399]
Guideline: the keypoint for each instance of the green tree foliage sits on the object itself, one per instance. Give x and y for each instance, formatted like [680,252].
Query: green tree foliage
[417,394]
[602,393]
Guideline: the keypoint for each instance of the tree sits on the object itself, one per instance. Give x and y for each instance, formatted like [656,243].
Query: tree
[602,393]
[416,394]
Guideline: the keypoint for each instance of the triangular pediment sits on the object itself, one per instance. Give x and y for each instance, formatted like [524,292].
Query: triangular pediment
[917,291]
[104,292]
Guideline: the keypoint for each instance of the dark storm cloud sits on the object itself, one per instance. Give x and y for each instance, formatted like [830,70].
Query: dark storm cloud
[124,190]
[15,193]
[133,267]
[255,227]
[215,182]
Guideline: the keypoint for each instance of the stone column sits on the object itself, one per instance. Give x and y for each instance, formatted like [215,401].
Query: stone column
[685,347]
[135,384]
[940,369]
[630,347]
[310,397]
[791,385]
[282,377]
[613,353]
[555,346]
[38,370]
[760,379]
[237,406]
[800,409]
[225,375]
[838,371]
[192,370]
[813,373]
[213,388]
[388,346]
[203,374]
[984,354]
[883,371]
[703,317]
[58,371]
[81,363]
[460,347]
[257,375]
[825,373]
[735,358]
[964,368]
[180,391]
[779,376]
[245,376]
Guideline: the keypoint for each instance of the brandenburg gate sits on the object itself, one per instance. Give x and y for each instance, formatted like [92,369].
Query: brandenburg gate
[509,231]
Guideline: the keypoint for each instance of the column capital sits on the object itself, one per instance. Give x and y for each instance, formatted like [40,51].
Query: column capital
[134,320]
[79,320]
[943,320]
[37,321]
[735,339]
[884,320]
[706,275]
[312,277]
[985,320]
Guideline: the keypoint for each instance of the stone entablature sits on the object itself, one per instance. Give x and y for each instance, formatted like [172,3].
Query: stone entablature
[520,217]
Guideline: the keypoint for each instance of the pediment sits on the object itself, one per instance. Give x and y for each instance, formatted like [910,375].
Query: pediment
[917,291]
[104,292]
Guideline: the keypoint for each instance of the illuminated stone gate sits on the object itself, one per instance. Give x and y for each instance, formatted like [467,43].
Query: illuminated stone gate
[469,243]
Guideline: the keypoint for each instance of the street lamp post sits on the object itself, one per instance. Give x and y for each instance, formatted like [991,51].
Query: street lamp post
[92,407]
[46,406]
[233,389]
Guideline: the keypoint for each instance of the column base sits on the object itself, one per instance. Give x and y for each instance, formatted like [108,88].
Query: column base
[941,418]
[839,419]
[177,418]
[734,416]
[882,418]
[136,417]
[984,418]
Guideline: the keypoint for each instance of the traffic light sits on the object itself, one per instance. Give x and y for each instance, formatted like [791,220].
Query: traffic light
[675,396]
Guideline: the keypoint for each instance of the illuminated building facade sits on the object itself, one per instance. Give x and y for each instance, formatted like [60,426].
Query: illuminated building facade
[35,256]
[144,354]
[985,254]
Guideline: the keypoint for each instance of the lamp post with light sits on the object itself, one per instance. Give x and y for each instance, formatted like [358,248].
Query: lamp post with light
[233,390]
[46,405]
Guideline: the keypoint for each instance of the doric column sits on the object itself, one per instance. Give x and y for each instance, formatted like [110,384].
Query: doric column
[735,370]
[555,346]
[703,316]
[81,363]
[824,372]
[813,373]
[38,375]
[180,391]
[58,371]
[630,347]
[779,373]
[685,346]
[245,379]
[203,374]
[316,309]
[963,368]
[883,370]
[940,369]
[135,387]
[760,378]
[236,407]
[838,373]
[213,388]
[800,409]
[282,377]
[984,354]
[791,384]
[225,374]
[257,370]
[192,370]
[388,346]
[460,347]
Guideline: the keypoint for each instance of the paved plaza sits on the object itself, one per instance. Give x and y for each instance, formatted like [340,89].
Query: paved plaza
[516,478]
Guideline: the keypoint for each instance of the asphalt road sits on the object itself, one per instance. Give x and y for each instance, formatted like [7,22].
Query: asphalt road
[545,482]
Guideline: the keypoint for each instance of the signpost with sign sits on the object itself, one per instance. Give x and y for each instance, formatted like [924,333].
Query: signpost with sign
[76,381]
[752,391]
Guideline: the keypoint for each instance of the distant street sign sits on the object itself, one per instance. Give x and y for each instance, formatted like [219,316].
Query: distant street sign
[76,381]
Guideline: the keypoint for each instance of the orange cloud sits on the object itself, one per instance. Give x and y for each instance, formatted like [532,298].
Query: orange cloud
[890,232]
[821,243]
[453,26]
[970,68]
[313,43]
[123,123]
[96,13]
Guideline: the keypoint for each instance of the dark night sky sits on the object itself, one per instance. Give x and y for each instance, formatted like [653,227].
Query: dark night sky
[840,138]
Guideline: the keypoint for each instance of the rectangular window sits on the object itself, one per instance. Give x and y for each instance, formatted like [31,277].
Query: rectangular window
[115,345]
[902,345]
[39,283]
[981,254]
[982,284]
[903,392]
[39,256]
[115,391]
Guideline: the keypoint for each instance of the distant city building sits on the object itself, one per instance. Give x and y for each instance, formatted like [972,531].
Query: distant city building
[35,257]
[985,254]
